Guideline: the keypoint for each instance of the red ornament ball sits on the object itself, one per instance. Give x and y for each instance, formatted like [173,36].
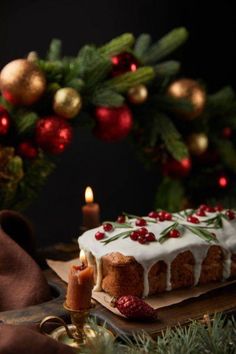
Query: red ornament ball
[177,169]
[123,63]
[4,121]
[27,149]
[223,181]
[113,124]
[53,134]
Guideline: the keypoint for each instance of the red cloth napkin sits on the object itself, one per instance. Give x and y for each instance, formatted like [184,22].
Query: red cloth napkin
[24,340]
[22,282]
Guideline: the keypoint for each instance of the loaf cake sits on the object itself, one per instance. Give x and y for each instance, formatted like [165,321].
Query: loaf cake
[144,256]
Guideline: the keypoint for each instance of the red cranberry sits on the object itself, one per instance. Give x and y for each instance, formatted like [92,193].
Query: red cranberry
[162,213]
[134,235]
[203,207]
[161,218]
[142,240]
[168,216]
[121,219]
[107,227]
[193,219]
[174,233]
[230,214]
[153,214]
[140,222]
[150,237]
[200,212]
[99,235]
[142,231]
[210,209]
[218,207]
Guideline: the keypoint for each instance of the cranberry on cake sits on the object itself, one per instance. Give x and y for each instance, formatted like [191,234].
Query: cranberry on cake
[144,256]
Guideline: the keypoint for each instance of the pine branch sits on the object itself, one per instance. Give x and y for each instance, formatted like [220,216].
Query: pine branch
[107,97]
[171,137]
[221,101]
[54,52]
[227,152]
[165,45]
[123,82]
[168,68]
[142,44]
[117,45]
[170,195]
[25,123]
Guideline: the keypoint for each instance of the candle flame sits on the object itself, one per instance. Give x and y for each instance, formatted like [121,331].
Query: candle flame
[88,195]
[82,257]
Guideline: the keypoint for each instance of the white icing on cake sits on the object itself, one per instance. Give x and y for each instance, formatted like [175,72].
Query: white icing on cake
[148,254]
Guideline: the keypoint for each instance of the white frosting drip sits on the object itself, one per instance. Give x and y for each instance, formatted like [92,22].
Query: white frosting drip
[148,254]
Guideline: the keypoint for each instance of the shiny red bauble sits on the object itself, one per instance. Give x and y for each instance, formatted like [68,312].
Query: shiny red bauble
[4,121]
[177,169]
[113,124]
[27,149]
[122,63]
[53,134]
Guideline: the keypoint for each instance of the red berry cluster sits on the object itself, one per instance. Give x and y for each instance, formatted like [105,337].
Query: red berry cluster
[160,215]
[106,227]
[142,235]
[203,209]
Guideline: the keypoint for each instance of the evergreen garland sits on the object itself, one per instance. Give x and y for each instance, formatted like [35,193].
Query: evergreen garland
[159,133]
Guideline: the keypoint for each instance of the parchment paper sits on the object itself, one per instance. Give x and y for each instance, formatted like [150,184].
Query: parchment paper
[167,298]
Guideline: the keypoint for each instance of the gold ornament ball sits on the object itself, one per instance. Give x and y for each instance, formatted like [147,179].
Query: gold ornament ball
[138,94]
[197,143]
[67,102]
[22,82]
[192,91]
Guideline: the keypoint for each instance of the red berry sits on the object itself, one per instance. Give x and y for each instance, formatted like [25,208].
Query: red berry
[121,219]
[162,213]
[210,209]
[135,308]
[107,227]
[230,214]
[99,235]
[200,212]
[142,239]
[142,231]
[161,218]
[174,233]
[150,237]
[134,235]
[153,214]
[203,207]
[140,222]
[218,207]
[168,216]
[193,219]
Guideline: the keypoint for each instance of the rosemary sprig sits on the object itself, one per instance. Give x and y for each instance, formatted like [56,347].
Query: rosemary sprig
[165,232]
[123,234]
[117,225]
[132,216]
[216,221]
[202,233]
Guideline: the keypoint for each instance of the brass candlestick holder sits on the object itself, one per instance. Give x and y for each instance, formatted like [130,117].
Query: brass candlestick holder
[78,332]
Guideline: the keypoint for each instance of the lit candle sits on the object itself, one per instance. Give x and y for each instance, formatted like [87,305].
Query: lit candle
[79,290]
[91,210]
[83,258]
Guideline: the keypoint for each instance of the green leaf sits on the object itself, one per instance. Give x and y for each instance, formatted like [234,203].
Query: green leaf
[165,45]
[54,52]
[171,137]
[142,44]
[202,233]
[107,97]
[116,237]
[123,82]
[117,45]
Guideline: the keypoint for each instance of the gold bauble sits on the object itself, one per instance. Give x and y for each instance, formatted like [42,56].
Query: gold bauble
[138,94]
[191,91]
[67,102]
[22,82]
[197,143]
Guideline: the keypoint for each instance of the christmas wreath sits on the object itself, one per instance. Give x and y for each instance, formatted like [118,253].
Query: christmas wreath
[124,88]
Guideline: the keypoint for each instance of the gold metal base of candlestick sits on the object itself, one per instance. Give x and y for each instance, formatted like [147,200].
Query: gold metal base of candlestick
[79,332]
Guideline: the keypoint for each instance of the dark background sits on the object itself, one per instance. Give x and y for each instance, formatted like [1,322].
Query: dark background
[117,177]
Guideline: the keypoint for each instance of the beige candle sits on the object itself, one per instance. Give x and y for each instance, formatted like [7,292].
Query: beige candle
[91,211]
[80,285]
